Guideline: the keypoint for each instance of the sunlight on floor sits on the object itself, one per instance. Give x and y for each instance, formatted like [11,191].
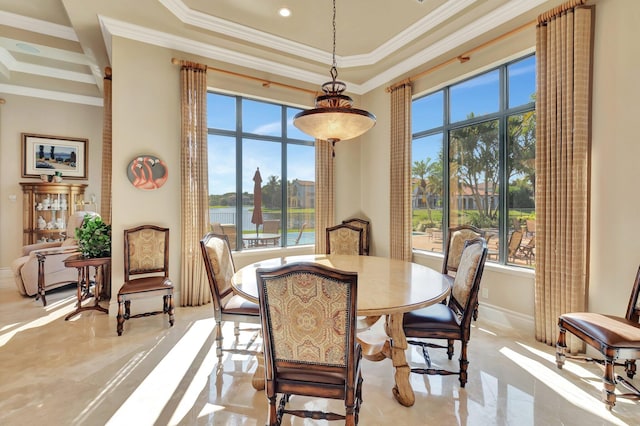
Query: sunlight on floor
[163,381]
[560,385]
[195,388]
[54,311]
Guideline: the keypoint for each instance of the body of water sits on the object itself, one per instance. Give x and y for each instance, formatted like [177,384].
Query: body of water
[226,215]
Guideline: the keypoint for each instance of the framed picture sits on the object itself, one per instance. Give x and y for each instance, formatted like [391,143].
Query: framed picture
[46,155]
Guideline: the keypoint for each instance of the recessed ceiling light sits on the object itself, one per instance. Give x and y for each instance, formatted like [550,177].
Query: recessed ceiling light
[284,12]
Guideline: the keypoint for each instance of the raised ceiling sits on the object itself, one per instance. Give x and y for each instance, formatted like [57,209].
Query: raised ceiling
[58,49]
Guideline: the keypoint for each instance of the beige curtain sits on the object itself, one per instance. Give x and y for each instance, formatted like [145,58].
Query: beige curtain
[400,172]
[564,56]
[194,289]
[325,193]
[105,191]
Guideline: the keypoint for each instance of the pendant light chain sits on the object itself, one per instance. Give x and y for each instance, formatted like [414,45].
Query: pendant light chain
[334,66]
[334,119]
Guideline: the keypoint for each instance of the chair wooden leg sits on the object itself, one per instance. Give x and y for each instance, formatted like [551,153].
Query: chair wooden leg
[219,339]
[273,419]
[171,309]
[464,364]
[350,419]
[358,398]
[609,382]
[561,347]
[120,316]
[450,348]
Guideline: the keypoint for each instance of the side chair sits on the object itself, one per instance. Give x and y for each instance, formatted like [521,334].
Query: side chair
[451,321]
[344,239]
[616,338]
[227,306]
[515,239]
[146,254]
[457,236]
[308,316]
[366,231]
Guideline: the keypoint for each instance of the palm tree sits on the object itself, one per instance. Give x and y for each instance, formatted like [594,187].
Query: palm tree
[430,174]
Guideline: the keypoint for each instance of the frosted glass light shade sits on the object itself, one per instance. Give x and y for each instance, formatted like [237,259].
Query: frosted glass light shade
[334,124]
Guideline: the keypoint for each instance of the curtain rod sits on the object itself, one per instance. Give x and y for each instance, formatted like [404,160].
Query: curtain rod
[265,83]
[466,56]
[550,14]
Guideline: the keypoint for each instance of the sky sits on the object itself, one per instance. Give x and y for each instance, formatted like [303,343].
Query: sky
[259,118]
[478,95]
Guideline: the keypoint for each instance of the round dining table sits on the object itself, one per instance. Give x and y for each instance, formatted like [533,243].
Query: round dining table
[386,288]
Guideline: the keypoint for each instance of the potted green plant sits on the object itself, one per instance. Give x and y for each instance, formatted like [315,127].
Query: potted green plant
[94,237]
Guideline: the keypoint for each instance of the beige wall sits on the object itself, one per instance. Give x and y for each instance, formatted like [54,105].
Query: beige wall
[34,115]
[146,120]
[615,204]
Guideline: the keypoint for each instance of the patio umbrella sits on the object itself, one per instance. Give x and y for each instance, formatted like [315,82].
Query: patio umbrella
[256,217]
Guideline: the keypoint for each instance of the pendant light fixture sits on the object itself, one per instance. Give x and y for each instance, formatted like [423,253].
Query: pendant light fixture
[333,119]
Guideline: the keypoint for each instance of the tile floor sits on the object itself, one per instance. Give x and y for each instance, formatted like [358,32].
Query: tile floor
[79,372]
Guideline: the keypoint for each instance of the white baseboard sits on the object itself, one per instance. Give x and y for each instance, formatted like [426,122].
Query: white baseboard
[506,318]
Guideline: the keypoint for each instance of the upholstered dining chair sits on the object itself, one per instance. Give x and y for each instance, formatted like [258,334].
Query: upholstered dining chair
[146,255]
[344,239]
[456,237]
[308,316]
[451,321]
[616,338]
[227,306]
[365,226]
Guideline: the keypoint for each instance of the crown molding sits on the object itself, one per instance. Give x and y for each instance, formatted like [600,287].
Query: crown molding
[435,18]
[249,35]
[13,65]
[504,13]
[37,26]
[211,23]
[113,27]
[50,95]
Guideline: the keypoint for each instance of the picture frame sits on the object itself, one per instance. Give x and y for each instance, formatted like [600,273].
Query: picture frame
[47,155]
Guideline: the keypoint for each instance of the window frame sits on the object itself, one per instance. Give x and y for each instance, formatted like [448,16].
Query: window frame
[239,135]
[502,116]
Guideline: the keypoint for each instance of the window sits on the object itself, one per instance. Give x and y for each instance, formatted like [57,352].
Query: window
[470,140]
[247,135]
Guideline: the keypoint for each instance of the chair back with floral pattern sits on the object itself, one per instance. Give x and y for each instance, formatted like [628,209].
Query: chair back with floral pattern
[364,225]
[308,317]
[456,239]
[310,313]
[345,239]
[146,251]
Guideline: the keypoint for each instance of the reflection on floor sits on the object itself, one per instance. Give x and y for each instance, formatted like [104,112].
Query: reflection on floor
[80,372]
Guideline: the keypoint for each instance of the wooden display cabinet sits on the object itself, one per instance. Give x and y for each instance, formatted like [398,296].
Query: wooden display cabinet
[46,209]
